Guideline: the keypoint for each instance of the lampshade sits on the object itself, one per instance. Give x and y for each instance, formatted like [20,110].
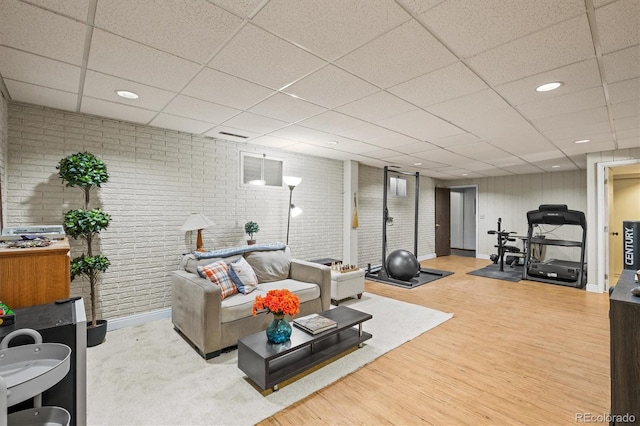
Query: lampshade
[295,211]
[292,180]
[196,221]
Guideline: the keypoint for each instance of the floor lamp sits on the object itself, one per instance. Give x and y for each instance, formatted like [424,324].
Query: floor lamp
[292,182]
[197,221]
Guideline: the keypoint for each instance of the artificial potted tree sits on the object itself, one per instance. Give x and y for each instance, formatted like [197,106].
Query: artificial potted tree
[251,228]
[86,171]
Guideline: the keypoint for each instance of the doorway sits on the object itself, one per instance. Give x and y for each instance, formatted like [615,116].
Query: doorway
[604,210]
[624,186]
[463,220]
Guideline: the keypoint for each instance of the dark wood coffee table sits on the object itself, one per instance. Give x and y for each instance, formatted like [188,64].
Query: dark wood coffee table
[269,364]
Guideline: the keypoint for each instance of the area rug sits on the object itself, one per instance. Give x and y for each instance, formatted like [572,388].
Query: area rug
[148,375]
[493,271]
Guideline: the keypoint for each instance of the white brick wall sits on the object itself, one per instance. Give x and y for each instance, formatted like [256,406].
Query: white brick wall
[401,234]
[157,178]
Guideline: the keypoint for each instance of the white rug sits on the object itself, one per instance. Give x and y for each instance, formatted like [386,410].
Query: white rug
[148,375]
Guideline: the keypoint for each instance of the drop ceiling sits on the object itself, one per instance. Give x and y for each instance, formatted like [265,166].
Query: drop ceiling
[446,88]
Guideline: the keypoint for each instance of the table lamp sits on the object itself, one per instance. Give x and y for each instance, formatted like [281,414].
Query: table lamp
[197,221]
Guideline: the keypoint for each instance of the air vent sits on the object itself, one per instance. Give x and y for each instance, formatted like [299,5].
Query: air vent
[233,134]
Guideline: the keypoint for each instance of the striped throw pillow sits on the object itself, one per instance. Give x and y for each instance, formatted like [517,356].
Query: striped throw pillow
[218,273]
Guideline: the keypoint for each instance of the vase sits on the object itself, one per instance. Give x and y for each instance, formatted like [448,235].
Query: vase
[278,330]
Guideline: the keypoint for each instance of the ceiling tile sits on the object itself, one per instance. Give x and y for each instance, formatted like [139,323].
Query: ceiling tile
[632,122]
[633,142]
[330,87]
[27,68]
[523,169]
[461,139]
[472,27]
[443,156]
[39,95]
[544,156]
[215,86]
[573,119]
[624,91]
[576,77]
[272,141]
[302,134]
[574,133]
[330,28]
[375,107]
[413,147]
[102,86]
[438,86]
[402,54]
[619,25]
[32,29]
[181,124]
[410,161]
[508,63]
[369,132]
[480,151]
[116,111]
[421,125]
[622,65]
[332,122]
[77,9]
[626,109]
[572,102]
[286,108]
[258,56]
[181,28]
[199,110]
[393,140]
[124,58]
[356,147]
[421,6]
[254,123]
[242,8]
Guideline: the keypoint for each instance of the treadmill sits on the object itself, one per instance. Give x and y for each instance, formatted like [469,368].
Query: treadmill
[571,272]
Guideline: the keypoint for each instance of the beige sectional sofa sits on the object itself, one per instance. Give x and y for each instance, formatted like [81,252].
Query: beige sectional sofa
[212,324]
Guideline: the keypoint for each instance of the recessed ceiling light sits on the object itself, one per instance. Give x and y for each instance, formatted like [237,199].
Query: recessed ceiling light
[583,141]
[549,86]
[465,174]
[417,164]
[332,143]
[555,167]
[127,94]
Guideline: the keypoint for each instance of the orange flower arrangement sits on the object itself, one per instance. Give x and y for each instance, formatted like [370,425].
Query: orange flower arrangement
[278,302]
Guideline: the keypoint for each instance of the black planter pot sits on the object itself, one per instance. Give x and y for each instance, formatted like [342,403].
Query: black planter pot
[96,335]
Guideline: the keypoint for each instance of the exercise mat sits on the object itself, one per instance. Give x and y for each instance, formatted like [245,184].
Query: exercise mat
[425,276]
[493,271]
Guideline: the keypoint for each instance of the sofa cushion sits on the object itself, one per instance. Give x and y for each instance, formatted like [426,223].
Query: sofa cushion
[243,276]
[239,305]
[270,265]
[218,273]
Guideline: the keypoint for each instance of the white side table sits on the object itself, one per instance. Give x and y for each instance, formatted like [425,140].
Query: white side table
[346,284]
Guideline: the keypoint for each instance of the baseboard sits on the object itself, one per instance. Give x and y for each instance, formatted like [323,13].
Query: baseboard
[594,288]
[137,319]
[483,256]
[426,257]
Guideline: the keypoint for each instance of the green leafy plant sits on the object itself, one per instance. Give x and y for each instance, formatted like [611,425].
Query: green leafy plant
[86,171]
[251,228]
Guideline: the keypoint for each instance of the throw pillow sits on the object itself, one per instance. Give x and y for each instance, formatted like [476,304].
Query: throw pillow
[270,265]
[243,276]
[218,273]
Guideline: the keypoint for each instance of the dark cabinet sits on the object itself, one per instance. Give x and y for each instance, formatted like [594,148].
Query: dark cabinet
[624,317]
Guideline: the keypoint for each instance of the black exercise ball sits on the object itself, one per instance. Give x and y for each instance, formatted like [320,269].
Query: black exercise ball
[402,265]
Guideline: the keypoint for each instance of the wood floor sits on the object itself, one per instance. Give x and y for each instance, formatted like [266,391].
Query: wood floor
[515,353]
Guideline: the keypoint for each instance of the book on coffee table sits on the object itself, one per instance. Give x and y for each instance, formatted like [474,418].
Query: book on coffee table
[314,323]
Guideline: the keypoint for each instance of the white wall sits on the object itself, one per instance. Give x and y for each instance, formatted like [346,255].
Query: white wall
[510,197]
[157,178]
[401,234]
[4,144]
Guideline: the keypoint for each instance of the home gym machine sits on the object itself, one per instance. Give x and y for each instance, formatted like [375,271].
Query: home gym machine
[556,271]
[401,267]
[504,239]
